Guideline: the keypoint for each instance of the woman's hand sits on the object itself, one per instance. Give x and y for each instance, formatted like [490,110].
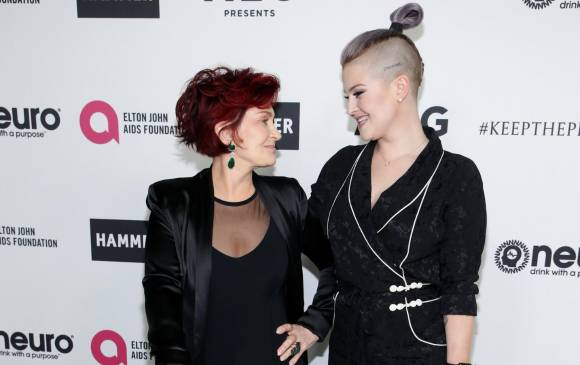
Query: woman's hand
[297,336]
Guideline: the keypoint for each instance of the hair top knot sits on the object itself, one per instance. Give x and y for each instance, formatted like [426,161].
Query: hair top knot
[406,17]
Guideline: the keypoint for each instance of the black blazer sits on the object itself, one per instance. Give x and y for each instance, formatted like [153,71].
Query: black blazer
[178,261]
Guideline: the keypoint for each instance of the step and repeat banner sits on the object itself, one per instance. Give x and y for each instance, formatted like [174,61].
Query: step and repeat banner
[87,96]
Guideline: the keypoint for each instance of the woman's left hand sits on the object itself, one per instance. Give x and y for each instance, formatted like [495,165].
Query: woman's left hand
[296,334]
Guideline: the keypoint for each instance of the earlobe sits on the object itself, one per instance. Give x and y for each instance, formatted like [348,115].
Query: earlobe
[223,133]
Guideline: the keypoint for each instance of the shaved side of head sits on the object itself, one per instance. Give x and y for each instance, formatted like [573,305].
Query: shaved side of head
[386,55]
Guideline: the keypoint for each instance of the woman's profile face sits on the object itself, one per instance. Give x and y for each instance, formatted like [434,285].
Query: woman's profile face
[370,99]
[258,136]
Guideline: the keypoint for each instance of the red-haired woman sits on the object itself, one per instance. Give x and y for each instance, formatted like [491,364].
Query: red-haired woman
[222,258]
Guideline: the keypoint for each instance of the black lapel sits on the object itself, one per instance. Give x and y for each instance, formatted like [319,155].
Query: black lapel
[283,206]
[360,199]
[273,200]
[360,190]
[199,239]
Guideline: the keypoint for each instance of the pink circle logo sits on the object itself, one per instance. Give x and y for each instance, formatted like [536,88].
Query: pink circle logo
[106,136]
[120,357]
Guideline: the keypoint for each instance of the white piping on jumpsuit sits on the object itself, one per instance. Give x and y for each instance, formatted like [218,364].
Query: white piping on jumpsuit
[334,309]
[341,186]
[423,192]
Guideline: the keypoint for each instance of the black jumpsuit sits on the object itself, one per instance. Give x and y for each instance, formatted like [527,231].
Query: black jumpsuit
[404,264]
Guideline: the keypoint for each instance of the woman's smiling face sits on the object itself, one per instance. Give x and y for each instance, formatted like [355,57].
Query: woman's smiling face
[371,100]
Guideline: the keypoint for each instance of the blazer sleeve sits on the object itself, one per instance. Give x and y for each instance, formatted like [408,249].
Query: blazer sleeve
[319,316]
[163,288]
[465,225]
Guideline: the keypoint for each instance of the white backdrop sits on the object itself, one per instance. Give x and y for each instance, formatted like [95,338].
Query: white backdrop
[497,62]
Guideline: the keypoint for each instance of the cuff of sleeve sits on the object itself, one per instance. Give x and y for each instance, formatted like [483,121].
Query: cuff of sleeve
[460,304]
[167,357]
[314,322]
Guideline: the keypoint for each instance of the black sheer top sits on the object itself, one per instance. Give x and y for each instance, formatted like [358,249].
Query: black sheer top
[246,298]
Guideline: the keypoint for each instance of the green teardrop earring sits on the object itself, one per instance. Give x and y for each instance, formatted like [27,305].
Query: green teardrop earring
[231,161]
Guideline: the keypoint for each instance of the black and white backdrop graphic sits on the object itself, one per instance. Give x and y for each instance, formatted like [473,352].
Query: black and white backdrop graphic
[87,123]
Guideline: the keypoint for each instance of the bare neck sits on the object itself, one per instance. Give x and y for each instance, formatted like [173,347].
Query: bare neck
[404,136]
[231,184]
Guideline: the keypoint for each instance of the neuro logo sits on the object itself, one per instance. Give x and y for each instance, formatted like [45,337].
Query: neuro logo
[42,342]
[32,118]
[512,256]
[112,130]
[119,357]
[538,4]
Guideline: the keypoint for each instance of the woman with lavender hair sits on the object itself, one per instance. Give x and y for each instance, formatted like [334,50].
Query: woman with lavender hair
[405,219]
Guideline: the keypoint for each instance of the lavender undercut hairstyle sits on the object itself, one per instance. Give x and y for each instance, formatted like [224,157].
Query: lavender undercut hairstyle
[390,50]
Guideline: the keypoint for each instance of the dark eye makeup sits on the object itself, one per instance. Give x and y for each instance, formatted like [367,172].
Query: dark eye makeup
[356,94]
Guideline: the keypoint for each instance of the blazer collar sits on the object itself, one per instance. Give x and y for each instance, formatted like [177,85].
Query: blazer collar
[272,201]
[398,195]
[406,188]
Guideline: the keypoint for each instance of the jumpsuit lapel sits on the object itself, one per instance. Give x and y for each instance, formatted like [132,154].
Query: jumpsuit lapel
[359,197]
[404,196]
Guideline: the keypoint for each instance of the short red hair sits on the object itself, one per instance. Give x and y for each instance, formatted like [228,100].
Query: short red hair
[221,94]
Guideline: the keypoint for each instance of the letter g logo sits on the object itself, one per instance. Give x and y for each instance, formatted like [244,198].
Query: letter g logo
[120,358]
[112,131]
[441,122]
